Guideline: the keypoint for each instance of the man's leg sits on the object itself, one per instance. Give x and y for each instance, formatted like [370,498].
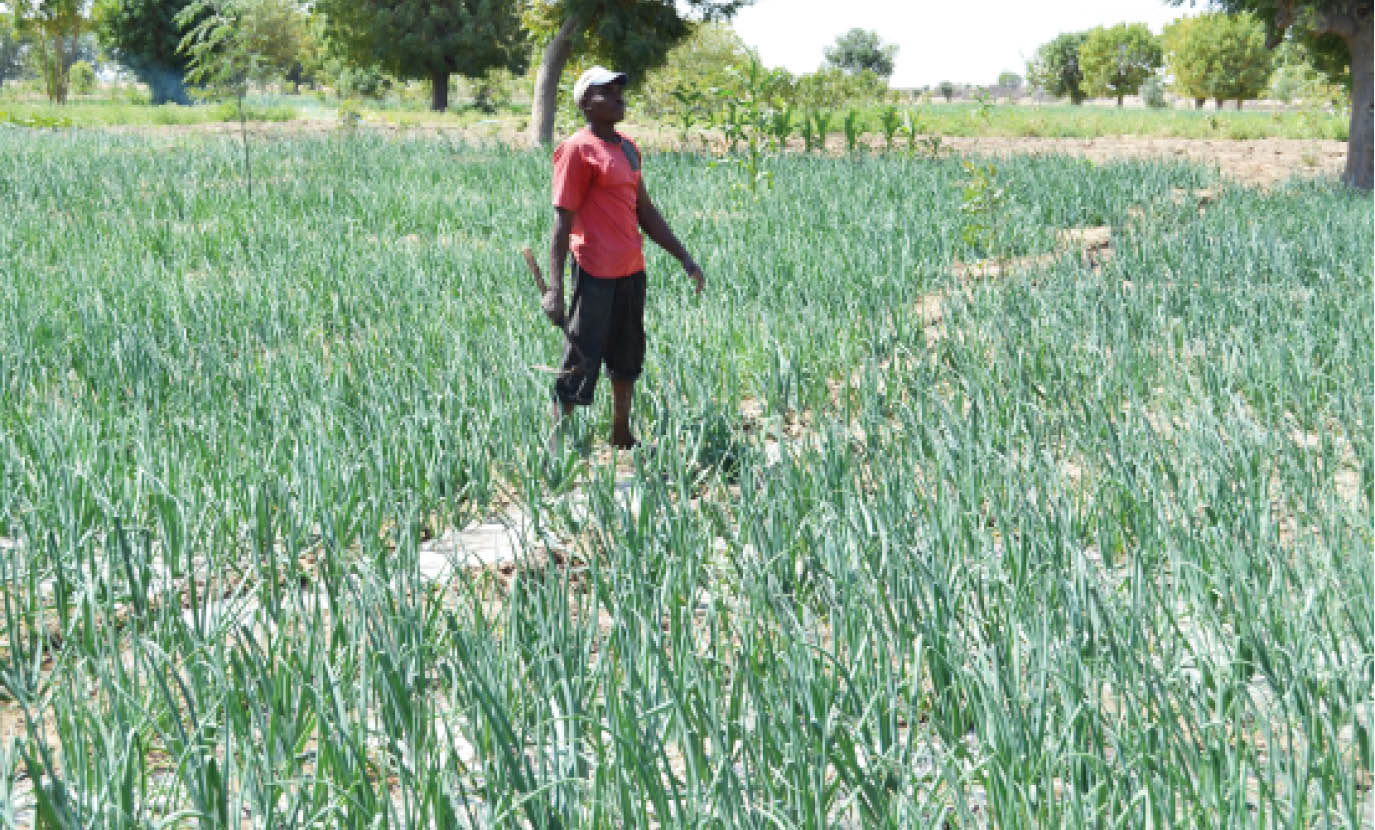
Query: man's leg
[622,395]
[589,314]
[625,355]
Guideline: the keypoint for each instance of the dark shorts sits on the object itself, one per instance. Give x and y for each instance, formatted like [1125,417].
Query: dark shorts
[606,320]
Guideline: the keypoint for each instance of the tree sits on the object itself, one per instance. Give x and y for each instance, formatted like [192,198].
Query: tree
[1117,59]
[144,36]
[1055,68]
[54,27]
[832,88]
[858,50]
[1218,56]
[699,63]
[1339,35]
[946,89]
[630,35]
[1010,81]
[12,48]
[428,39]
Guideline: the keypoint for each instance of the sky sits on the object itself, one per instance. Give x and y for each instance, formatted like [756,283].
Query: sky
[968,41]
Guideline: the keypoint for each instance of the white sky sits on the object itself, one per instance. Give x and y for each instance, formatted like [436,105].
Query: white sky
[967,41]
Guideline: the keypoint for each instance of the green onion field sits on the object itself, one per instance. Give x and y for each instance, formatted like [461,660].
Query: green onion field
[1073,539]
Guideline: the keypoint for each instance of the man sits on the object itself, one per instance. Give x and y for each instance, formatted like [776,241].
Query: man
[600,206]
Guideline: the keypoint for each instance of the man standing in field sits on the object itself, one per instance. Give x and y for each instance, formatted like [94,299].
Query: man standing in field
[600,206]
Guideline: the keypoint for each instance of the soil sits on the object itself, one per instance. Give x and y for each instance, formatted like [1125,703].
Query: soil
[1263,162]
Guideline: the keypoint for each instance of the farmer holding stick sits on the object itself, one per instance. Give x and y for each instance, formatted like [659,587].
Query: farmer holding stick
[600,206]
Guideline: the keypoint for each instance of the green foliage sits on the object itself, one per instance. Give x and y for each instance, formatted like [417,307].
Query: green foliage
[53,27]
[635,36]
[1010,81]
[831,88]
[36,120]
[428,39]
[860,50]
[1056,67]
[1153,92]
[145,36]
[11,50]
[982,200]
[1296,77]
[81,78]
[889,123]
[969,566]
[1116,60]
[691,73]
[1218,56]
[946,89]
[853,130]
[754,116]
[362,82]
[1307,24]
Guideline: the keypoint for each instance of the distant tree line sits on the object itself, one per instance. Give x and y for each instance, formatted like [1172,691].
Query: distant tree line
[1228,55]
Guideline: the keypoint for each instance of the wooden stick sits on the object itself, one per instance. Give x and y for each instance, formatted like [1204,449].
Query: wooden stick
[534,269]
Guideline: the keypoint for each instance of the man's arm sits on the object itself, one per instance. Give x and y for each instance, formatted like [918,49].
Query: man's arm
[552,303]
[653,224]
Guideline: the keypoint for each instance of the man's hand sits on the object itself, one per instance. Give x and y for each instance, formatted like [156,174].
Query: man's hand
[695,273]
[552,303]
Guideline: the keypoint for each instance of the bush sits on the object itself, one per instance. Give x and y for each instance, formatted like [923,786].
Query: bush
[1153,92]
[362,82]
[81,76]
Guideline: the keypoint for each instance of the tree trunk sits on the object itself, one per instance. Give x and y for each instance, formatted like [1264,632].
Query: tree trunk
[439,90]
[1238,105]
[545,103]
[1359,137]
[1119,100]
[1199,102]
[1218,102]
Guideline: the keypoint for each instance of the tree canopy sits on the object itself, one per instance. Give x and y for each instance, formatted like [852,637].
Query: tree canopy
[1218,56]
[53,27]
[1116,59]
[859,50]
[428,39]
[632,36]
[11,50]
[144,35]
[1340,36]
[1055,67]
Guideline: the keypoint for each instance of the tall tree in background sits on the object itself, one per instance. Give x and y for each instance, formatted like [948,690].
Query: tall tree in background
[1117,59]
[1330,28]
[1218,56]
[861,49]
[628,35]
[53,27]
[144,35]
[1055,68]
[1186,61]
[11,49]
[428,39]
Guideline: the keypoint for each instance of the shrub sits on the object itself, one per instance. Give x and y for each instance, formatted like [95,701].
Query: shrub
[81,76]
[362,82]
[1153,92]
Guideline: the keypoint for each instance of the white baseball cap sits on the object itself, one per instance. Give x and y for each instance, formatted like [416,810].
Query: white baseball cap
[596,76]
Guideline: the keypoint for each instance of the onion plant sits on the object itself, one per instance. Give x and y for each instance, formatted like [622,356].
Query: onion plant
[1094,551]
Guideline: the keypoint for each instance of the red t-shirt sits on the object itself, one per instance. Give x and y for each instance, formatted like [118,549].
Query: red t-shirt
[598,182]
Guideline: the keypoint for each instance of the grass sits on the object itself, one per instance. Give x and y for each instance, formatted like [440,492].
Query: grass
[1065,121]
[1092,548]
[108,113]
[957,119]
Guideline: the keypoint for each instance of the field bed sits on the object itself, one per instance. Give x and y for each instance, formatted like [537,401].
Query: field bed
[1074,537]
